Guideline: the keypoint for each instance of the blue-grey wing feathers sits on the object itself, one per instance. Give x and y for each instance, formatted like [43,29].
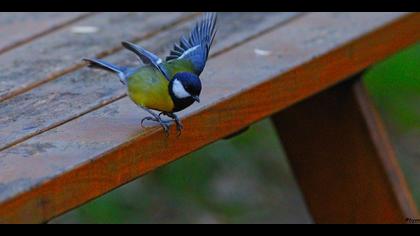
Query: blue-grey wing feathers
[147,57]
[197,46]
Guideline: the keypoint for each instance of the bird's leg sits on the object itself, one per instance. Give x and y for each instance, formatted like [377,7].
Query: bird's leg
[179,126]
[155,118]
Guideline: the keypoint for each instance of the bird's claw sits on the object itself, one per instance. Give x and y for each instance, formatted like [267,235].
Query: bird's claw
[164,124]
[179,127]
[147,118]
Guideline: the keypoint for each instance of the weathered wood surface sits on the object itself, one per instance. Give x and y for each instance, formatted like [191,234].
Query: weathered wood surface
[94,153]
[343,160]
[18,28]
[61,51]
[84,90]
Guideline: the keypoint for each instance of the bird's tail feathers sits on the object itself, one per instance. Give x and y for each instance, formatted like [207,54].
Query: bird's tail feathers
[122,72]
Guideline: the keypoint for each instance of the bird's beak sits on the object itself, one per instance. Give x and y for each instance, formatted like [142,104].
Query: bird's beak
[196,98]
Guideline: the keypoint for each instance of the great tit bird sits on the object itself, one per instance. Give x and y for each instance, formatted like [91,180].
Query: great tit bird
[167,86]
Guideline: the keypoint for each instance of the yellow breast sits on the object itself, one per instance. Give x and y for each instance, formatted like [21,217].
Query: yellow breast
[149,88]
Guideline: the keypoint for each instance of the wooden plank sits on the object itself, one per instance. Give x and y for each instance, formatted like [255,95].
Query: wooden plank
[343,160]
[77,93]
[61,51]
[18,28]
[82,159]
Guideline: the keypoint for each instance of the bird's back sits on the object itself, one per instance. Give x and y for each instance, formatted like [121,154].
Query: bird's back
[179,65]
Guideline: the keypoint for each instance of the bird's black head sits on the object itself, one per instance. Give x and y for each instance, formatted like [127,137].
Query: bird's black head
[185,89]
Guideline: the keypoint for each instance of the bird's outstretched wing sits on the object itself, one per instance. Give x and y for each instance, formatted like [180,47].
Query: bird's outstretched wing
[147,57]
[196,47]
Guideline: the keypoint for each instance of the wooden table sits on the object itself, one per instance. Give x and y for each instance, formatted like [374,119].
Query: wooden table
[69,134]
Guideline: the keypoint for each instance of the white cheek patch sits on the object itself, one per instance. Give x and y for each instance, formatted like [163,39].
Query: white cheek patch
[179,90]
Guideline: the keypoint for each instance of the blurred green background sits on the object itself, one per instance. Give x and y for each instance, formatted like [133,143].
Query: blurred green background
[247,179]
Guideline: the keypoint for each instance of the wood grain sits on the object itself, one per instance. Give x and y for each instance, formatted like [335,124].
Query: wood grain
[89,156]
[47,58]
[18,28]
[84,90]
[343,160]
